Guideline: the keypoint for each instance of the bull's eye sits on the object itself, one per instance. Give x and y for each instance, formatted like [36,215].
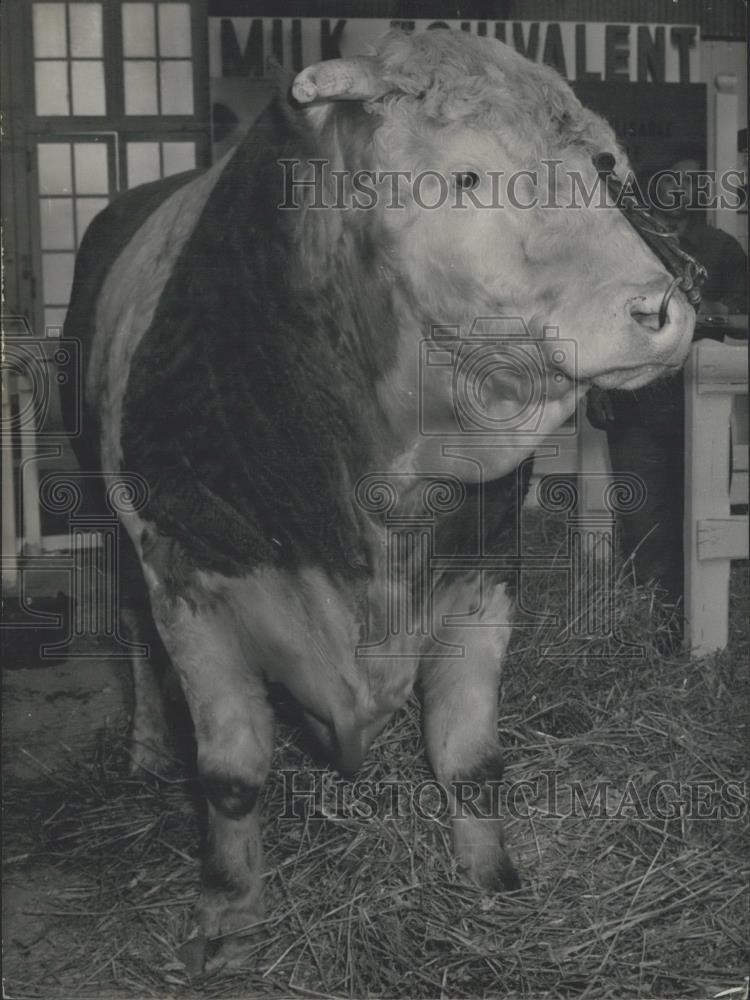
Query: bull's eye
[467,181]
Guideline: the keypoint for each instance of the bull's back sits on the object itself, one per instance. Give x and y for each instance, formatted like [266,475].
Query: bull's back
[105,240]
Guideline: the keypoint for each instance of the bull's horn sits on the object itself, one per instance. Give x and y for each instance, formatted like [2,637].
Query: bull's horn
[356,79]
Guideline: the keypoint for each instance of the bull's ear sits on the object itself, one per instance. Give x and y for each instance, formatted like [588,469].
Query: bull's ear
[358,79]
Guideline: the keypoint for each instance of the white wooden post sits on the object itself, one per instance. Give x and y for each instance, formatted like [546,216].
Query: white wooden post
[10,542]
[739,488]
[32,528]
[713,375]
[725,151]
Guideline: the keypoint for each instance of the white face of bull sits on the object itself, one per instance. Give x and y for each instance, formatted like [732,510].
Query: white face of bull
[582,270]
[454,110]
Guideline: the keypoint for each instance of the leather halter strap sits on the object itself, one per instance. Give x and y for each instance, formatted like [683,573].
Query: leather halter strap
[689,274]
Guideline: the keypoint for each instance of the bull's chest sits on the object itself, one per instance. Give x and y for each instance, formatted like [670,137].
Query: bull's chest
[338,645]
[327,642]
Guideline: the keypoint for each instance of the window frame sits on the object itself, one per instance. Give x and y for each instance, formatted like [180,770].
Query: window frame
[110,141]
[105,60]
[157,136]
[158,60]
[115,124]
[114,84]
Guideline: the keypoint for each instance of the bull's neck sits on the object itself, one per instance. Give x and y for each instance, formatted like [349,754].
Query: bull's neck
[418,399]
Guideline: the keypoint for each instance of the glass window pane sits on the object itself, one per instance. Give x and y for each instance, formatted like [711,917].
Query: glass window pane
[138,34]
[140,88]
[56,218]
[54,168]
[91,172]
[54,318]
[143,163]
[178,156]
[49,30]
[51,82]
[176,88]
[88,88]
[57,273]
[174,29]
[86,209]
[85,30]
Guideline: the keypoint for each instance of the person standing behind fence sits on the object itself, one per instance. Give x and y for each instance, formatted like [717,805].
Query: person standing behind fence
[646,428]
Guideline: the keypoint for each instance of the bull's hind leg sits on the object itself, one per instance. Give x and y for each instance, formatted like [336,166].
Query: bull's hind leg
[150,748]
[234,733]
[460,724]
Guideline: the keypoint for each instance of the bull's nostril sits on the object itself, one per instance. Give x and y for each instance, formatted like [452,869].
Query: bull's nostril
[644,317]
[651,308]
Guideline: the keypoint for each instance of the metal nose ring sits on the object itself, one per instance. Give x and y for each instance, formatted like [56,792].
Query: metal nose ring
[674,285]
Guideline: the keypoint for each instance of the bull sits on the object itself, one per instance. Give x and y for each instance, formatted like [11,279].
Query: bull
[254,356]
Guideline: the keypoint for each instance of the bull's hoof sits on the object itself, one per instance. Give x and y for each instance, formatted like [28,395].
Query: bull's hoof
[508,879]
[204,955]
[153,758]
[192,954]
[232,952]
[480,846]
[228,933]
[496,875]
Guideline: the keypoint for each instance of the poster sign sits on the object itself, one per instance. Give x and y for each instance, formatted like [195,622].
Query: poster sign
[643,77]
[656,124]
[614,53]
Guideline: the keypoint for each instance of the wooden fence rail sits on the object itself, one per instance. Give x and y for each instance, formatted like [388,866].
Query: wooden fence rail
[714,375]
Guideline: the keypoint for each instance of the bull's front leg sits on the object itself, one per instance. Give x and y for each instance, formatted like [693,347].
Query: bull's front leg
[460,725]
[234,733]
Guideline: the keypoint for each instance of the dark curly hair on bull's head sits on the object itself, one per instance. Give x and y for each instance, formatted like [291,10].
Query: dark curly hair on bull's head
[451,76]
